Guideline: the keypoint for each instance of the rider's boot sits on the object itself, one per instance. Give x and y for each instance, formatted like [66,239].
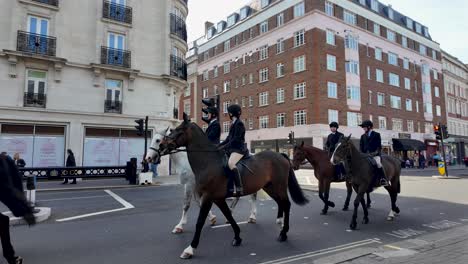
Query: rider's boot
[239,190]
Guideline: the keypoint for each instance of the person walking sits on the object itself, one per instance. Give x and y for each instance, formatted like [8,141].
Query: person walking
[422,161]
[70,163]
[19,162]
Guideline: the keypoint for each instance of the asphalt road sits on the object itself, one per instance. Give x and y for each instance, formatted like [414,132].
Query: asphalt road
[143,234]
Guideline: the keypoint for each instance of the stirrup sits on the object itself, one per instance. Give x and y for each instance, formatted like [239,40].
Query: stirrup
[384,182]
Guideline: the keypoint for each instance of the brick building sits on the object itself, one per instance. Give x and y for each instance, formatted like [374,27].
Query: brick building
[298,65]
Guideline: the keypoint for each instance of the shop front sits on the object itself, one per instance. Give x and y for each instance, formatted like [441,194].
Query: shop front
[277,145]
[456,149]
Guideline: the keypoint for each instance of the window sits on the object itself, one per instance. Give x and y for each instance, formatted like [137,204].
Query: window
[353,93]
[406,63]
[227,86]
[265,3]
[395,102]
[434,54]
[227,67]
[251,78]
[382,122]
[299,91]
[422,49]
[418,28]
[438,110]
[263,53]
[428,108]
[351,42]
[375,5]
[225,106]
[279,46]
[369,73]
[280,20]
[280,95]
[370,97]
[187,90]
[426,88]
[205,92]
[391,35]
[332,90]
[332,116]
[227,45]
[263,75]
[243,101]
[205,75]
[36,89]
[409,105]
[299,9]
[279,70]
[390,13]
[215,72]
[404,41]
[300,118]
[407,84]
[263,99]
[380,99]
[299,38]
[409,23]
[376,29]
[226,126]
[187,107]
[250,123]
[436,75]
[379,76]
[331,62]
[243,79]
[394,79]
[378,54]
[397,124]
[349,17]
[436,91]
[329,8]
[393,59]
[331,37]
[415,85]
[417,106]
[354,119]
[264,27]
[263,122]
[251,100]
[352,67]
[113,88]
[299,64]
[280,120]
[215,90]
[410,125]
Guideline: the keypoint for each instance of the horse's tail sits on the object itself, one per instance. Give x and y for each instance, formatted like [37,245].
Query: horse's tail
[295,190]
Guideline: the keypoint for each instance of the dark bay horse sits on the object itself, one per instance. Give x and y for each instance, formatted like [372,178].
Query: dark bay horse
[12,195]
[362,175]
[267,170]
[324,171]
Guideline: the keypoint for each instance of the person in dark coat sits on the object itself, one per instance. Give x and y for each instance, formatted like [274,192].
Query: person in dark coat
[19,161]
[371,143]
[70,163]
[330,146]
[235,146]
[214,128]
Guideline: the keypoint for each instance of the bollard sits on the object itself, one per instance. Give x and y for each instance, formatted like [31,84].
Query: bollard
[31,190]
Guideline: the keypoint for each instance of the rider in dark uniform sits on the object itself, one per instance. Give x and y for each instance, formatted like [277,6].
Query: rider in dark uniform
[235,146]
[214,128]
[332,140]
[371,143]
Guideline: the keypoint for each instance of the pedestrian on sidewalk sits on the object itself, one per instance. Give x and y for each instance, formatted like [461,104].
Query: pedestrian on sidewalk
[19,162]
[70,163]
[154,169]
[422,161]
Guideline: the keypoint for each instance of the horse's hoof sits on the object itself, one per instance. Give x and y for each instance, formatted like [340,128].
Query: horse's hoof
[331,204]
[279,221]
[188,253]
[17,260]
[252,220]
[324,212]
[346,208]
[365,220]
[236,242]
[227,222]
[282,237]
[368,206]
[397,210]
[213,221]
[390,218]
[177,230]
[353,225]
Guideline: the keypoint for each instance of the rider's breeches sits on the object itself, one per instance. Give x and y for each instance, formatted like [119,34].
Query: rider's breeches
[233,159]
[378,160]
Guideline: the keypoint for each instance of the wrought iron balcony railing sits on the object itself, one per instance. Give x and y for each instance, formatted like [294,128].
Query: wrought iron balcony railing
[111,106]
[116,57]
[121,13]
[178,67]
[34,100]
[178,27]
[48,2]
[36,43]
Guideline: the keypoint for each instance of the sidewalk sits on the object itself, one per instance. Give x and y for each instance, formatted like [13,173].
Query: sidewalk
[442,247]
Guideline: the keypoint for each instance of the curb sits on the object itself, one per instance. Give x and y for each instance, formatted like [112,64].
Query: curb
[105,187]
[41,216]
[446,177]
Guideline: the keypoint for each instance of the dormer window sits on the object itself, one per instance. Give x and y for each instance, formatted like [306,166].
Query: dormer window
[362,2]
[221,26]
[390,13]
[244,12]
[409,23]
[418,28]
[375,5]
[265,3]
[211,32]
[426,32]
[232,19]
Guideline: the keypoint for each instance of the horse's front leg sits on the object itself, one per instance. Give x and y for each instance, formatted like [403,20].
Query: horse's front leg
[357,201]
[188,194]
[326,196]
[204,210]
[235,227]
[253,209]
[369,202]
[349,190]
[8,251]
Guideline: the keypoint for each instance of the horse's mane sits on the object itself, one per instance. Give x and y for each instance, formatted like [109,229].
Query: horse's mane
[307,147]
[206,142]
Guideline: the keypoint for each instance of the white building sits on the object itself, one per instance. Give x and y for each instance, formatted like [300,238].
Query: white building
[77,74]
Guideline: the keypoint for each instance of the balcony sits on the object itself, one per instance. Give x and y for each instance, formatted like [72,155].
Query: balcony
[178,27]
[34,100]
[111,106]
[120,13]
[36,43]
[178,67]
[116,57]
[48,2]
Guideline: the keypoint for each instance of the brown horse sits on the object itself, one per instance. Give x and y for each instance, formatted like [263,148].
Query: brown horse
[267,170]
[362,176]
[324,172]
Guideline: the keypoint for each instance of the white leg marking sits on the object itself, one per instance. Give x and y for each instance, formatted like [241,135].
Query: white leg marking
[188,253]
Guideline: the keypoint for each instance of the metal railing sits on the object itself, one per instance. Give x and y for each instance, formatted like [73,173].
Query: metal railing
[178,67]
[34,100]
[178,27]
[116,57]
[121,13]
[111,106]
[36,43]
[48,2]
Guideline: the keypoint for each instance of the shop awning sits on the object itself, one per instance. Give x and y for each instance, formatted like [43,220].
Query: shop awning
[407,144]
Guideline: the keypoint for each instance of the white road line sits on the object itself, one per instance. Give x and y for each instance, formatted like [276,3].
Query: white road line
[322,252]
[119,199]
[226,225]
[73,198]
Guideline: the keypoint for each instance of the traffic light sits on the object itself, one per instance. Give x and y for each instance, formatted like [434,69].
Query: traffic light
[437,132]
[140,127]
[444,131]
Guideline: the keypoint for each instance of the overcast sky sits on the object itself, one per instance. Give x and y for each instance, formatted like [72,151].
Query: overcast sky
[447,20]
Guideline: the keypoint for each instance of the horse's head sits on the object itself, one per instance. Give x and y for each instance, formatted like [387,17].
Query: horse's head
[179,137]
[154,152]
[299,156]
[342,150]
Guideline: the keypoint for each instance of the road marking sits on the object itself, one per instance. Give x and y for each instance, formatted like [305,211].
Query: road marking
[119,199]
[73,198]
[393,247]
[226,225]
[322,252]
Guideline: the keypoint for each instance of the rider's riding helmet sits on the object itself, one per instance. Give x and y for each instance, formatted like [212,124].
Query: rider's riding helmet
[212,110]
[334,124]
[367,123]
[235,110]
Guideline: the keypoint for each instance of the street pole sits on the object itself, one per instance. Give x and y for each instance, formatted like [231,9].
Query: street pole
[146,135]
[443,149]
